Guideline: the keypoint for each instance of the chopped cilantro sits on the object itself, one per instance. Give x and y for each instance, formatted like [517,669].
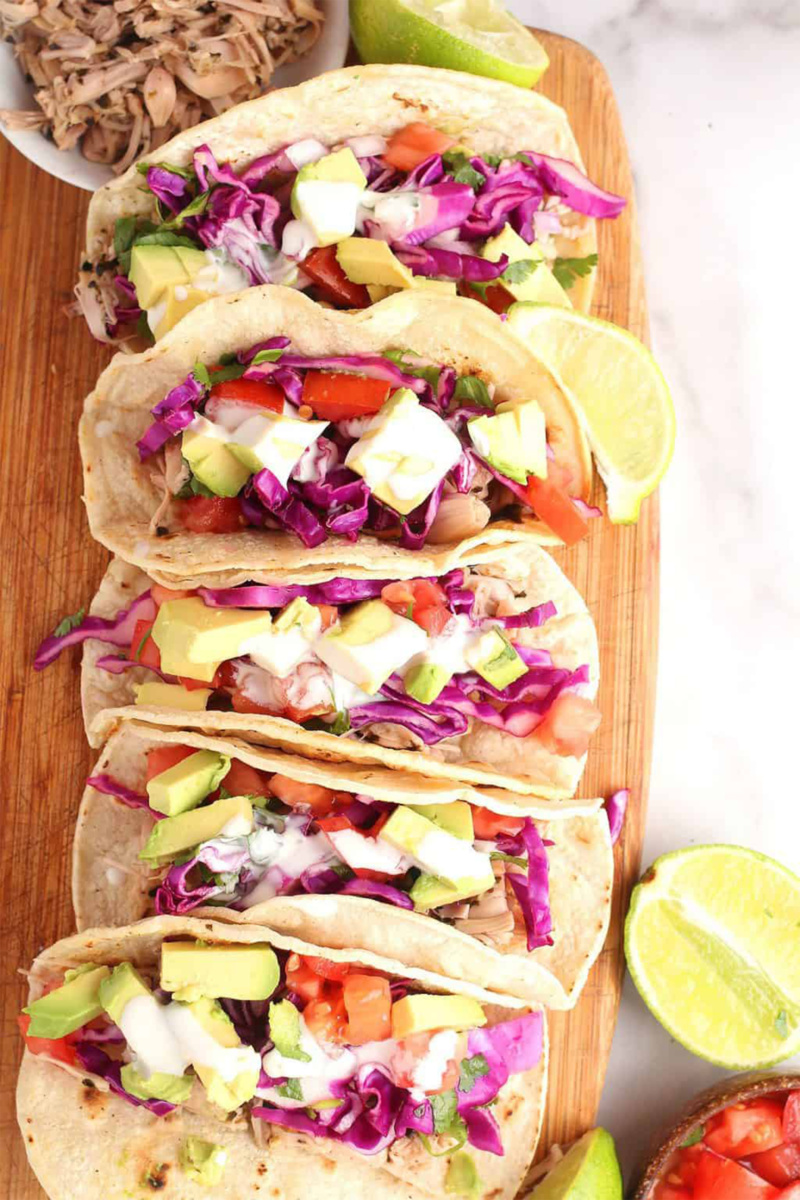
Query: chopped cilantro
[567,270]
[201,374]
[266,356]
[511,858]
[473,390]
[67,623]
[472,1069]
[518,272]
[694,1137]
[291,1090]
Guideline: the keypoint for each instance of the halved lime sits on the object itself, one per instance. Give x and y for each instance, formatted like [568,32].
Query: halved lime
[477,36]
[712,940]
[588,1171]
[619,391]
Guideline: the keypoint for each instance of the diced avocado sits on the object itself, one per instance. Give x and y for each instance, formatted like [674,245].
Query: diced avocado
[227,1093]
[215,1021]
[236,972]
[422,1013]
[172,307]
[158,1086]
[462,1178]
[378,292]
[190,631]
[203,1162]
[429,891]
[363,624]
[540,285]
[284,1029]
[455,818]
[513,439]
[425,681]
[446,287]
[369,644]
[68,1007]
[369,260]
[299,612]
[222,472]
[406,829]
[172,695]
[495,659]
[192,260]
[121,986]
[438,852]
[173,835]
[187,784]
[154,269]
[326,195]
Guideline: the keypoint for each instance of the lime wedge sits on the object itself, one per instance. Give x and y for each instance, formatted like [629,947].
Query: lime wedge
[588,1171]
[477,36]
[619,391]
[712,940]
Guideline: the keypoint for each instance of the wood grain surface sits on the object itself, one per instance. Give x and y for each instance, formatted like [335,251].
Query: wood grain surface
[50,567]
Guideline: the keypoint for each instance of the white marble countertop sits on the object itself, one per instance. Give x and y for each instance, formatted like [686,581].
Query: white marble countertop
[710,97]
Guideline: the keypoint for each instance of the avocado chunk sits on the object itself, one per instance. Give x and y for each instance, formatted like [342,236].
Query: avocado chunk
[220,471]
[173,306]
[154,269]
[121,985]
[495,659]
[68,1007]
[326,195]
[513,439]
[540,286]
[455,818]
[284,1029]
[193,969]
[174,835]
[378,292]
[225,1086]
[185,785]
[299,612]
[203,1162]
[172,695]
[422,1013]
[158,1086]
[190,632]
[369,643]
[453,860]
[446,287]
[193,261]
[426,681]
[368,260]
[429,891]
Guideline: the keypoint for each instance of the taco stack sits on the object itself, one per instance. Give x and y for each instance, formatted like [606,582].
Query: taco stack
[178,1052]
[357,183]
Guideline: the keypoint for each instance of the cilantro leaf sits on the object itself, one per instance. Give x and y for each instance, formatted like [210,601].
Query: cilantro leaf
[458,165]
[496,856]
[234,370]
[445,1110]
[518,272]
[266,356]
[473,390]
[124,233]
[202,374]
[193,209]
[567,270]
[291,1090]
[694,1137]
[341,724]
[472,1069]
[68,623]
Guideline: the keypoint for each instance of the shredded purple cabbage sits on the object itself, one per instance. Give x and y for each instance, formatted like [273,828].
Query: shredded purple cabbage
[97,1062]
[532,890]
[109,786]
[116,631]
[616,807]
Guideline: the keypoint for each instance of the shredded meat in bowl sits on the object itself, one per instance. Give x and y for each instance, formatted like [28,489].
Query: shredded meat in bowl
[122,78]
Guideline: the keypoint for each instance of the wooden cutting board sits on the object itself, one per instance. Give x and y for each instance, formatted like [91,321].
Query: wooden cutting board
[50,567]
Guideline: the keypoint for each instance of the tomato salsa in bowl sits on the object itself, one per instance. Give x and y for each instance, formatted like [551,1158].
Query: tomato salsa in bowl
[740,1140]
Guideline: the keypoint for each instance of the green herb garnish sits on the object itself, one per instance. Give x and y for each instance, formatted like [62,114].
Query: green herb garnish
[68,623]
[567,270]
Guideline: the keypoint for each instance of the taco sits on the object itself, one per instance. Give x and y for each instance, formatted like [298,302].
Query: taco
[514,904]
[268,434]
[487,673]
[179,1052]
[356,183]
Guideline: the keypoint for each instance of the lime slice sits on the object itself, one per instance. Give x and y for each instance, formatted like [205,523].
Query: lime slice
[478,36]
[712,940]
[619,391]
[588,1171]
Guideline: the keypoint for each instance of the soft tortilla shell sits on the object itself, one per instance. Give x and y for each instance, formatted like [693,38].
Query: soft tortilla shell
[83,1141]
[488,116]
[122,494]
[111,885]
[570,637]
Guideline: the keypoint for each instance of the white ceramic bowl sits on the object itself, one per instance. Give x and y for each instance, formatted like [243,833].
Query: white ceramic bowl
[329,53]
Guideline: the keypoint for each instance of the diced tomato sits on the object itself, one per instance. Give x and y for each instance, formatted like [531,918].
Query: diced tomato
[421,600]
[748,1128]
[327,968]
[368,1002]
[340,822]
[160,594]
[669,1191]
[333,824]
[568,725]
[191,685]
[327,1018]
[323,267]
[723,1179]
[335,396]
[375,829]
[163,757]
[791,1118]
[487,824]
[329,614]
[318,800]
[495,296]
[244,780]
[253,392]
[780,1165]
[412,144]
[211,514]
[553,505]
[143,649]
[410,1052]
[300,715]
[302,979]
[60,1049]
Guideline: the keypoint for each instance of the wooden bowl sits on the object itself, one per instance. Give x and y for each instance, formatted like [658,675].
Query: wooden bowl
[729,1091]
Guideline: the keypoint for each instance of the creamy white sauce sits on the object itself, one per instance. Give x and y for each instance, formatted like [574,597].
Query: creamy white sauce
[447,648]
[114,876]
[279,651]
[202,1050]
[347,695]
[167,1038]
[440,853]
[372,854]
[428,1073]
[238,826]
[370,664]
[320,1066]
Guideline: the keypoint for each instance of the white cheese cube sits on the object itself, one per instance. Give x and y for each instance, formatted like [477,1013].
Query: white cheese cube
[370,644]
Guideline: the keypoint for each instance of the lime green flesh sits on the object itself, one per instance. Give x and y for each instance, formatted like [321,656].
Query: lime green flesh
[588,1171]
[713,945]
[477,36]
[619,390]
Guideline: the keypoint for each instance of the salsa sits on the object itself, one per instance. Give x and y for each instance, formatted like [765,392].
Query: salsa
[749,1151]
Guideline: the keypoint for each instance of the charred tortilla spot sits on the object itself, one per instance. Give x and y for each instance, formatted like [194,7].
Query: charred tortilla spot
[156,1177]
